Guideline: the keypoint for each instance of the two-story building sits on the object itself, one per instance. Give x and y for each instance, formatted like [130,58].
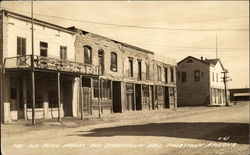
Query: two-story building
[200,82]
[55,69]
[128,78]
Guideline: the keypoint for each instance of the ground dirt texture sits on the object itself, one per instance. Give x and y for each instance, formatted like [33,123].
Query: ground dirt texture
[185,130]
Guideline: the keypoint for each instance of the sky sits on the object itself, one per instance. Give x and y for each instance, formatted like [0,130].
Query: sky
[175,29]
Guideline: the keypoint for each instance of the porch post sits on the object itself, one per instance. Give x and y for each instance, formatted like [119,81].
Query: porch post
[59,97]
[81,97]
[24,98]
[111,95]
[150,97]
[99,93]
[33,96]
[141,98]
[134,97]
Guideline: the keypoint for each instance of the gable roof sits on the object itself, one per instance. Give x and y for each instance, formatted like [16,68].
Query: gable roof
[211,62]
[36,21]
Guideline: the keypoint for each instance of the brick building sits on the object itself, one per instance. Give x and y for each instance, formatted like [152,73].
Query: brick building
[200,82]
[68,65]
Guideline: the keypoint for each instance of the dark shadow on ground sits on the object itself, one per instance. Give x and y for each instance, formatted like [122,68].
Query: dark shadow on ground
[238,132]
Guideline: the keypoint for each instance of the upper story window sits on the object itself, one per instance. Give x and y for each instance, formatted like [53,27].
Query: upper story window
[197,75]
[166,74]
[172,74]
[63,52]
[113,63]
[43,49]
[139,70]
[87,54]
[101,61]
[217,78]
[178,76]
[130,71]
[213,76]
[159,72]
[183,77]
[147,71]
[21,46]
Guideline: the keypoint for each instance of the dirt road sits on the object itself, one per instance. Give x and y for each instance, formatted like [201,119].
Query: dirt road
[222,130]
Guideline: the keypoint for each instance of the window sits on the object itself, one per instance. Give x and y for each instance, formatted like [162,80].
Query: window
[217,80]
[159,72]
[183,77]
[21,46]
[213,76]
[53,99]
[130,71]
[139,70]
[87,54]
[63,52]
[145,90]
[101,61]
[197,75]
[13,93]
[172,74]
[105,87]
[113,64]
[147,71]
[178,76]
[43,49]
[95,88]
[166,74]
[171,91]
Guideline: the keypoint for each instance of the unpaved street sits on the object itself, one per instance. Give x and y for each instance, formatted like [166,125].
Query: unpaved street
[216,130]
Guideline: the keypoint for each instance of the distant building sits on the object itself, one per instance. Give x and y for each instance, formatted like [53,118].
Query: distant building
[241,94]
[200,82]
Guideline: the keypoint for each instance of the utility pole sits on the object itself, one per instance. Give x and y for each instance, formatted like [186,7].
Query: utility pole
[225,80]
[216,48]
[32,66]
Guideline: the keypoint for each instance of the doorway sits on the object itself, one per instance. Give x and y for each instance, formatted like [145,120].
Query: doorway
[117,106]
[138,97]
[166,97]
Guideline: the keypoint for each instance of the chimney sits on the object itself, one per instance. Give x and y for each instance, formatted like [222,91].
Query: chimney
[202,58]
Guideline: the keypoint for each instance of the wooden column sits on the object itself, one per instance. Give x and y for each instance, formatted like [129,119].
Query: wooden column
[59,96]
[99,93]
[150,97]
[81,97]
[111,95]
[90,96]
[134,97]
[25,98]
[33,96]
[141,98]
[154,97]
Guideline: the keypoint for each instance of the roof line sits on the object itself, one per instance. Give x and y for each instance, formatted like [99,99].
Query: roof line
[37,21]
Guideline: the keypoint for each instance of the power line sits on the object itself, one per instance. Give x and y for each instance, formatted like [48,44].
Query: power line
[144,27]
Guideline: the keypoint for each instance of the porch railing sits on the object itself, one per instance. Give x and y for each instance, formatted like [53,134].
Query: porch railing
[48,63]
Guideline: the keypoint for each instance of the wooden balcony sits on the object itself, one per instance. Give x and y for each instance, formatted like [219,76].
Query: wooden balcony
[46,63]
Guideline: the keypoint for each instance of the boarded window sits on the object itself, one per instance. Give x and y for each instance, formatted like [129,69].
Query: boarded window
[171,91]
[147,71]
[87,54]
[159,72]
[106,91]
[63,52]
[130,70]
[172,74]
[197,75]
[43,49]
[183,77]
[21,46]
[95,87]
[113,63]
[145,90]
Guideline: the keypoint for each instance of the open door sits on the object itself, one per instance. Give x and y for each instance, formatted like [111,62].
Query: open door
[117,104]
[138,97]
